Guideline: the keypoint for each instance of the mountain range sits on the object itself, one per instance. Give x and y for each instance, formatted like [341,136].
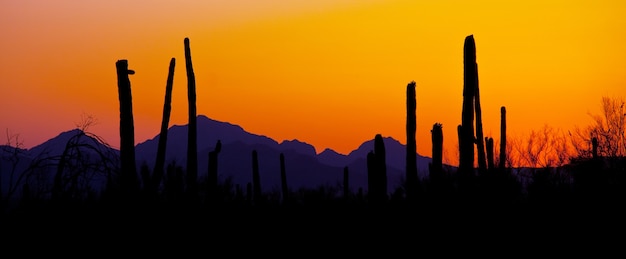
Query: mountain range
[305,168]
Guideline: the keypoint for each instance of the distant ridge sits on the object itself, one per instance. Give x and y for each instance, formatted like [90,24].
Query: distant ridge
[237,145]
[305,168]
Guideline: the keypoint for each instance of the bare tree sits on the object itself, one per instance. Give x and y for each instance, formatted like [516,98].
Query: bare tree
[608,128]
[12,155]
[547,147]
[86,159]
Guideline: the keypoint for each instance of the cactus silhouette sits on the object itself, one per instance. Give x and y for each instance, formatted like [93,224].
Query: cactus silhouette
[256,180]
[459,131]
[411,144]
[436,167]
[480,144]
[503,154]
[159,164]
[466,140]
[489,143]
[192,135]
[212,173]
[381,165]
[283,179]
[377,172]
[129,182]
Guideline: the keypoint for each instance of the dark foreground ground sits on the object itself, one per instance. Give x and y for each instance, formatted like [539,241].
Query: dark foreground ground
[340,229]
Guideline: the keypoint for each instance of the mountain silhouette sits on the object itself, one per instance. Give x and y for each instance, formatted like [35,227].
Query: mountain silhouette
[56,145]
[305,168]
[332,158]
[396,155]
[298,147]
[77,148]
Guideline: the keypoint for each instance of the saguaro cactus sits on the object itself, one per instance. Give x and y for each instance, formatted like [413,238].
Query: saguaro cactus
[159,165]
[192,135]
[256,180]
[129,181]
[212,173]
[466,145]
[459,131]
[436,168]
[377,172]
[381,165]
[283,178]
[490,164]
[503,154]
[411,144]
[480,144]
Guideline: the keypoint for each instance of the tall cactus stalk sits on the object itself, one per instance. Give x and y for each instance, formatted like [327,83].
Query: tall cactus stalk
[480,144]
[129,182]
[411,144]
[377,172]
[159,165]
[212,173]
[381,165]
[466,145]
[436,168]
[283,179]
[503,154]
[256,180]
[489,143]
[192,135]
[459,131]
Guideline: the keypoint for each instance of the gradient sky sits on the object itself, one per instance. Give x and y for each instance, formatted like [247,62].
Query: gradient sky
[332,73]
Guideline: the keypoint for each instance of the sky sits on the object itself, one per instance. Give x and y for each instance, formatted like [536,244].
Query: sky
[331,73]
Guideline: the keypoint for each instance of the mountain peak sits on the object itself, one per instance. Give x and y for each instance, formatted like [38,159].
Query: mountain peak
[294,142]
[298,146]
[329,151]
[56,145]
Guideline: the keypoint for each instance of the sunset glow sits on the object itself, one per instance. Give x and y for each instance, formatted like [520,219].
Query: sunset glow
[329,73]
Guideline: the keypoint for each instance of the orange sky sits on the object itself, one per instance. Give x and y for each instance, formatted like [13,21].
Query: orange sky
[331,73]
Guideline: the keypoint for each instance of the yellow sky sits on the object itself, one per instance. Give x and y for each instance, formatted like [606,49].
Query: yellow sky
[329,73]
